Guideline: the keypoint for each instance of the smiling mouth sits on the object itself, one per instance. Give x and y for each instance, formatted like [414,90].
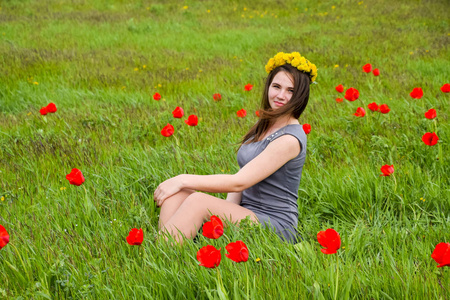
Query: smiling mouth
[278,103]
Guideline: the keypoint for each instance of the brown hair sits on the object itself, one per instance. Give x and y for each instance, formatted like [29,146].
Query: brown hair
[294,107]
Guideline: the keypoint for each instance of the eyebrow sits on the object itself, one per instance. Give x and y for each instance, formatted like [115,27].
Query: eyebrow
[290,87]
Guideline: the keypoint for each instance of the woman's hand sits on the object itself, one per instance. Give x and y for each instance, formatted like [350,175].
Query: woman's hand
[167,188]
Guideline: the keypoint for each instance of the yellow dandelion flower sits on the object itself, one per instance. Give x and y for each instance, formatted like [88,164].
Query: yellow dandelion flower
[200,119]
[258,259]
[187,69]
[361,2]
[306,9]
[245,8]
[200,70]
[241,60]
[159,85]
[427,50]
[136,69]
[242,16]
[333,7]
[336,66]
[144,66]
[411,53]
[148,8]
[124,87]
[28,114]
[208,11]
[185,7]
[3,198]
[36,83]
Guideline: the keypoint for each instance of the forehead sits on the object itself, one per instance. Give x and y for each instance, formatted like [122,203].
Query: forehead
[283,78]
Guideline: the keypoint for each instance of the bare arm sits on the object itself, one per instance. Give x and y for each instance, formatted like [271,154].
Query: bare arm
[234,197]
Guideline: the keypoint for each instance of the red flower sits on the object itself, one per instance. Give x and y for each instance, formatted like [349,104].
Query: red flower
[257,113]
[340,88]
[248,87]
[135,237]
[445,88]
[178,112]
[430,114]
[213,229]
[360,112]
[307,128]
[373,106]
[430,139]
[416,93]
[367,68]
[209,257]
[329,239]
[43,111]
[167,130]
[217,97]
[75,177]
[4,237]
[339,100]
[51,108]
[241,113]
[376,72]
[387,170]
[157,96]
[238,251]
[351,94]
[384,109]
[441,254]
[192,120]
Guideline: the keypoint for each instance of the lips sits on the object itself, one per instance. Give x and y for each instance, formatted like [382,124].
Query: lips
[278,103]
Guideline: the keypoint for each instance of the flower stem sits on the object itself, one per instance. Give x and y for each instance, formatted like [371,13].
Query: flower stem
[337,276]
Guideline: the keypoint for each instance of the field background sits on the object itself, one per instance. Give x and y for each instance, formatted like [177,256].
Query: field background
[100,62]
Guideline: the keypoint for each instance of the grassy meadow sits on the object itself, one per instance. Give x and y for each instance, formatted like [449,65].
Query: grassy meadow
[101,62]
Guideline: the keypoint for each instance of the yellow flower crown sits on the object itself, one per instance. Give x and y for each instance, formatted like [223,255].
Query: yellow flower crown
[294,59]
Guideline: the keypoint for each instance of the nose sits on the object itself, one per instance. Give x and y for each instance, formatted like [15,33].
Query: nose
[282,95]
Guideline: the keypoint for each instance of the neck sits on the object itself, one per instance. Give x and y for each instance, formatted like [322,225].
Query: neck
[281,122]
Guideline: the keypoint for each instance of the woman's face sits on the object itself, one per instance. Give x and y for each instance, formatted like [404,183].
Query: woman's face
[281,89]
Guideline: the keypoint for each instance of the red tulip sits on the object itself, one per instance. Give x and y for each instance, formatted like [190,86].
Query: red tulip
[157,96]
[387,170]
[75,177]
[360,112]
[416,93]
[430,139]
[178,112]
[329,239]
[373,106]
[135,237]
[192,120]
[217,97]
[167,130]
[339,100]
[241,113]
[238,251]
[384,109]
[441,254]
[213,229]
[248,87]
[340,88]
[445,88]
[257,113]
[376,72]
[51,108]
[43,111]
[430,114]
[307,128]
[351,94]
[367,68]
[4,237]
[209,257]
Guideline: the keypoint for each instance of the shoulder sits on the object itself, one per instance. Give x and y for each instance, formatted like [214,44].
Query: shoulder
[286,144]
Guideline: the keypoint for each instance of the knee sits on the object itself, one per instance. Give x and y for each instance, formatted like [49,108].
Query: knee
[195,201]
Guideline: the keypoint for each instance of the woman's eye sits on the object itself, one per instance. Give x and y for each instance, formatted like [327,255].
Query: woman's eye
[291,91]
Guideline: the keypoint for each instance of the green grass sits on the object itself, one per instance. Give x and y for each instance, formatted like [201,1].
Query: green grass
[88,58]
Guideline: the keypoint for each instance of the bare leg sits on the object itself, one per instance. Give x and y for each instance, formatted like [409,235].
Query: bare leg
[171,205]
[196,208]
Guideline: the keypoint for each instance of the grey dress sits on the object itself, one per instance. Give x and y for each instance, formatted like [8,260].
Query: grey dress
[274,199]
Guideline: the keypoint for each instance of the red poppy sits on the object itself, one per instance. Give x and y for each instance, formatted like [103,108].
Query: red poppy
[360,112]
[75,177]
[339,100]
[43,111]
[248,87]
[351,94]
[217,97]
[213,229]
[192,120]
[373,106]
[307,128]
[376,72]
[209,257]
[238,251]
[367,68]
[416,93]
[387,170]
[157,96]
[329,239]
[167,130]
[51,108]
[441,254]
[241,113]
[257,113]
[384,109]
[445,88]
[4,237]
[430,114]
[178,112]
[135,237]
[340,88]
[430,139]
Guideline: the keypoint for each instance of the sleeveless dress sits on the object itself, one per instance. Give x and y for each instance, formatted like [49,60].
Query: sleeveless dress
[274,199]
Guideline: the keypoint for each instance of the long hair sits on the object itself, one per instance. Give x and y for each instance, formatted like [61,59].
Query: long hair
[294,107]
